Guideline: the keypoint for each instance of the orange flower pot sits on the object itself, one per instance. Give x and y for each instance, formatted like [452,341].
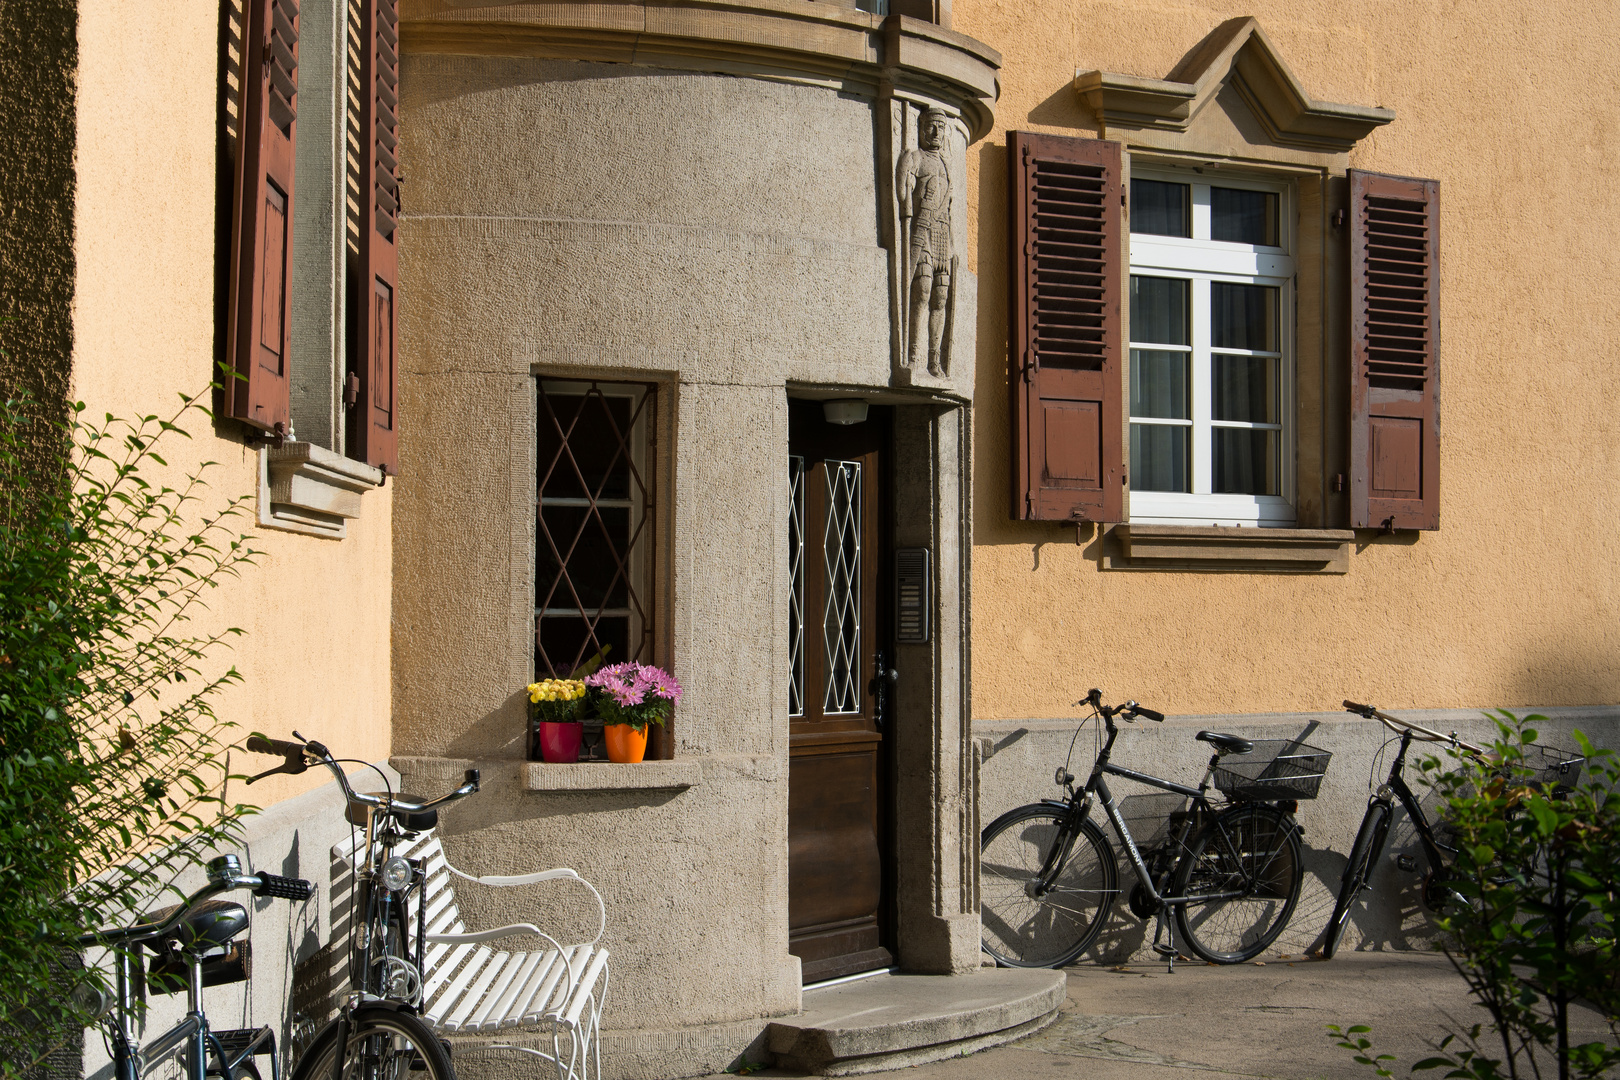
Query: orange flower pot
[625,744]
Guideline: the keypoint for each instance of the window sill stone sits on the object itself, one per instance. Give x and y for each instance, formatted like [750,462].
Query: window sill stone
[611,776]
[309,489]
[434,775]
[1227,549]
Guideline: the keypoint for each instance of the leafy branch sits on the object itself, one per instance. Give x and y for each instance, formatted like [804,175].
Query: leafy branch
[112,758]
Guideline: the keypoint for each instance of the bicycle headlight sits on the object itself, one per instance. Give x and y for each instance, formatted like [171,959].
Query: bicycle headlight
[394,874]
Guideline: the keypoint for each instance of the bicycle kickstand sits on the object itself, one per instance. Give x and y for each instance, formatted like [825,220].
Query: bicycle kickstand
[1166,952]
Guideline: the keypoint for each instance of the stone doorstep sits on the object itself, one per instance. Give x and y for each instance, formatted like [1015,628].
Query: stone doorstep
[893,1021]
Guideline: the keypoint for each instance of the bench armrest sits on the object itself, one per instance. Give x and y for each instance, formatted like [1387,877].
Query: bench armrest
[499,881]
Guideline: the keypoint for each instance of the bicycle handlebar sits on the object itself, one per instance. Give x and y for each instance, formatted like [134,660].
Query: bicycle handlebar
[224,875]
[1130,710]
[298,753]
[1396,724]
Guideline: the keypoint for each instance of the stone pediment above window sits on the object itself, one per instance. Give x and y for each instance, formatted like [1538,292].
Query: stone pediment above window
[1236,69]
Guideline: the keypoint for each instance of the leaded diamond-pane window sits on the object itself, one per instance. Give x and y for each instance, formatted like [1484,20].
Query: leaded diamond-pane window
[841,623]
[595,529]
[796,586]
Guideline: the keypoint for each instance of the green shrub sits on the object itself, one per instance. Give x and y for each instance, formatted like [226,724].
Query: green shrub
[112,773]
[1532,929]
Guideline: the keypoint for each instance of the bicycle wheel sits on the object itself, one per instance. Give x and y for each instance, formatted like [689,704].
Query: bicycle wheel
[1022,929]
[383,1044]
[1363,854]
[1248,867]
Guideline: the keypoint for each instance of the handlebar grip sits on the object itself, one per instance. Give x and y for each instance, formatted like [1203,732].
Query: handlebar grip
[258,744]
[1151,714]
[288,888]
[471,777]
[1357,707]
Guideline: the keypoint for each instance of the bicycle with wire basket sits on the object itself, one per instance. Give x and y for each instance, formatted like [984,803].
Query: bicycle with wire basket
[1227,876]
[1553,768]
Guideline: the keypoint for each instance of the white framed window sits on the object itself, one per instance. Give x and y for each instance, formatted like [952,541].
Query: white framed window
[1211,384]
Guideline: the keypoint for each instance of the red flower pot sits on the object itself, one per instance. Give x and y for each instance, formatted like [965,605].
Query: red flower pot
[559,743]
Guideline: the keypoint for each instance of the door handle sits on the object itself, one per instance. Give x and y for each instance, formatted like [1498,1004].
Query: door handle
[883,677]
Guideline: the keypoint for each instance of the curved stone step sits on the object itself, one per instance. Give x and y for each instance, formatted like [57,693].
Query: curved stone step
[892,1021]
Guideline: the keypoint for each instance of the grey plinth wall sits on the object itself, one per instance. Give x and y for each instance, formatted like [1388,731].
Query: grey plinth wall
[1019,757]
[723,236]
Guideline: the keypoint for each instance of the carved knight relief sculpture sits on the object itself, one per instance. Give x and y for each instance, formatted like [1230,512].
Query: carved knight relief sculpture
[923,190]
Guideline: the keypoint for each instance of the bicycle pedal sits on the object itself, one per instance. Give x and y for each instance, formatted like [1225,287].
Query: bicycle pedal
[1406,862]
[1167,952]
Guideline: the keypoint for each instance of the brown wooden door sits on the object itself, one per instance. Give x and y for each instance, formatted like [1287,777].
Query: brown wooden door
[837,778]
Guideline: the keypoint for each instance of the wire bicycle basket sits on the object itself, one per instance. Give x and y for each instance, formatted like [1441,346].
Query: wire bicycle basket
[1276,770]
[1551,769]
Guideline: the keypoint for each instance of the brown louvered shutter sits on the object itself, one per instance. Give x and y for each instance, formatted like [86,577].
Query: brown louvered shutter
[1065,333]
[261,239]
[1395,377]
[375,419]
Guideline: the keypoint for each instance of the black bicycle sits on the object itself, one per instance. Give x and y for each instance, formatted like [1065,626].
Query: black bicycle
[1553,766]
[1228,875]
[378,1034]
[194,947]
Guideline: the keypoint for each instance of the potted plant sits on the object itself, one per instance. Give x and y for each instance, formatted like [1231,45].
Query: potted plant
[557,707]
[628,697]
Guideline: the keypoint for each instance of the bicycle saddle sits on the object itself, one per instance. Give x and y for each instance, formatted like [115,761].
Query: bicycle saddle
[209,925]
[1231,744]
[421,821]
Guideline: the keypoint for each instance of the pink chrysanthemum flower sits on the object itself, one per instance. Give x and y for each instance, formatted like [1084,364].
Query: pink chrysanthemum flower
[664,685]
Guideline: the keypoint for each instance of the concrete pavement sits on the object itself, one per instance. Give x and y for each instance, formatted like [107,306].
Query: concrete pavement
[1135,1022]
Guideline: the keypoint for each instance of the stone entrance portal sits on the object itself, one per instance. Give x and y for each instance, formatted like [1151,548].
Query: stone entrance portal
[839,885]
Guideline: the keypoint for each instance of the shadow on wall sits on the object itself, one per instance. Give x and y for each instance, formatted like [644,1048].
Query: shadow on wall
[1574,664]
[1390,916]
[1018,759]
[499,733]
[1063,110]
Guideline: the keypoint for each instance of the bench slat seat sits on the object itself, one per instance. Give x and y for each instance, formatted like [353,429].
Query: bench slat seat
[469,988]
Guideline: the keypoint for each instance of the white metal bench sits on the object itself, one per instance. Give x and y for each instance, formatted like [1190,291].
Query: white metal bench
[466,988]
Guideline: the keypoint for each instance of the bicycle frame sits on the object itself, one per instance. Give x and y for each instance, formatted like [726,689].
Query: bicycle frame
[382,831]
[1079,806]
[130,1059]
[1396,784]
[375,902]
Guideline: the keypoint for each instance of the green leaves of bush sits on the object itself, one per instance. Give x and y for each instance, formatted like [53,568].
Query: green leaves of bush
[1533,928]
[112,771]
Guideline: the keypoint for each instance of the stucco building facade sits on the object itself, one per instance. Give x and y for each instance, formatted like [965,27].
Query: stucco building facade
[705,334]
[1253,598]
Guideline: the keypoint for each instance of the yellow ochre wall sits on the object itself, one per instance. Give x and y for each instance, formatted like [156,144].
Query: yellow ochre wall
[315,655]
[1513,602]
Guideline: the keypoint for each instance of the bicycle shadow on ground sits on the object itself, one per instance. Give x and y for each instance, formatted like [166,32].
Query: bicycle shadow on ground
[1391,916]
